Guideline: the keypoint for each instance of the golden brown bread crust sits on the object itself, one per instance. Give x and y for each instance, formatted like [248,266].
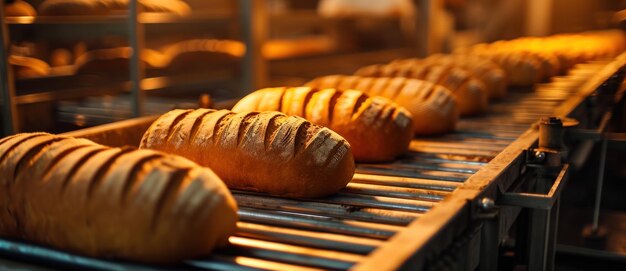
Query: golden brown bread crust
[104,7]
[19,8]
[377,129]
[487,71]
[266,152]
[140,205]
[523,69]
[115,62]
[471,95]
[433,106]
[177,7]
[28,67]
[73,7]
[202,54]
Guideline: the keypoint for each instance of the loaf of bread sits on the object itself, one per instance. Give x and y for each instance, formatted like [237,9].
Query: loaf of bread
[139,205]
[433,106]
[115,62]
[202,54]
[73,7]
[487,71]
[530,60]
[266,152]
[19,8]
[177,7]
[105,7]
[378,130]
[469,91]
[28,67]
[523,70]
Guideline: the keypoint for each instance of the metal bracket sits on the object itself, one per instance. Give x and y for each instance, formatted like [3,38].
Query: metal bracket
[536,200]
[547,160]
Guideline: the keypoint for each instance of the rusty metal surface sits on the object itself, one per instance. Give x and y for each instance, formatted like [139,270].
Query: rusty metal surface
[391,216]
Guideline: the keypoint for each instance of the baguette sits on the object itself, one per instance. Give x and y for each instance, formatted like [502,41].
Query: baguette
[119,203]
[433,107]
[266,152]
[378,130]
[470,93]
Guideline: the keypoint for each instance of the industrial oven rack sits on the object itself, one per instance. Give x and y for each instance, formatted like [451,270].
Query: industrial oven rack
[430,209]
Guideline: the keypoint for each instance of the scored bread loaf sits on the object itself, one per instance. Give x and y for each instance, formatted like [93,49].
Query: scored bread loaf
[265,152]
[487,71]
[433,106]
[470,93]
[378,130]
[139,205]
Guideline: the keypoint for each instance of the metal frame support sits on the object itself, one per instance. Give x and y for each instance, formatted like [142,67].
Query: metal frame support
[598,200]
[136,36]
[254,27]
[490,239]
[425,21]
[543,203]
[543,217]
[7,85]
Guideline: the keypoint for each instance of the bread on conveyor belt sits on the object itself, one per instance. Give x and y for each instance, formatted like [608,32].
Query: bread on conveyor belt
[530,60]
[115,62]
[105,7]
[140,205]
[487,71]
[19,8]
[377,129]
[522,69]
[433,106]
[28,67]
[266,152]
[471,95]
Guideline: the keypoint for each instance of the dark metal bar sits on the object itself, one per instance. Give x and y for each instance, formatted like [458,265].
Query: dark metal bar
[254,25]
[537,201]
[307,238]
[136,37]
[598,199]
[311,223]
[325,209]
[7,85]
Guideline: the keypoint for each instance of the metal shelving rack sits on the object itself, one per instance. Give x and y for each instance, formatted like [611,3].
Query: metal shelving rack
[252,21]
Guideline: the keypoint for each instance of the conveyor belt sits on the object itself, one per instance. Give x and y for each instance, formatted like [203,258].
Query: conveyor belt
[340,231]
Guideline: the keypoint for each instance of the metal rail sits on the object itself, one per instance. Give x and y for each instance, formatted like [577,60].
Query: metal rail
[400,215]
[10,123]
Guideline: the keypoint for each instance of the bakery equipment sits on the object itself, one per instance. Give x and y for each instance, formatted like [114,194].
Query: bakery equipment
[447,204]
